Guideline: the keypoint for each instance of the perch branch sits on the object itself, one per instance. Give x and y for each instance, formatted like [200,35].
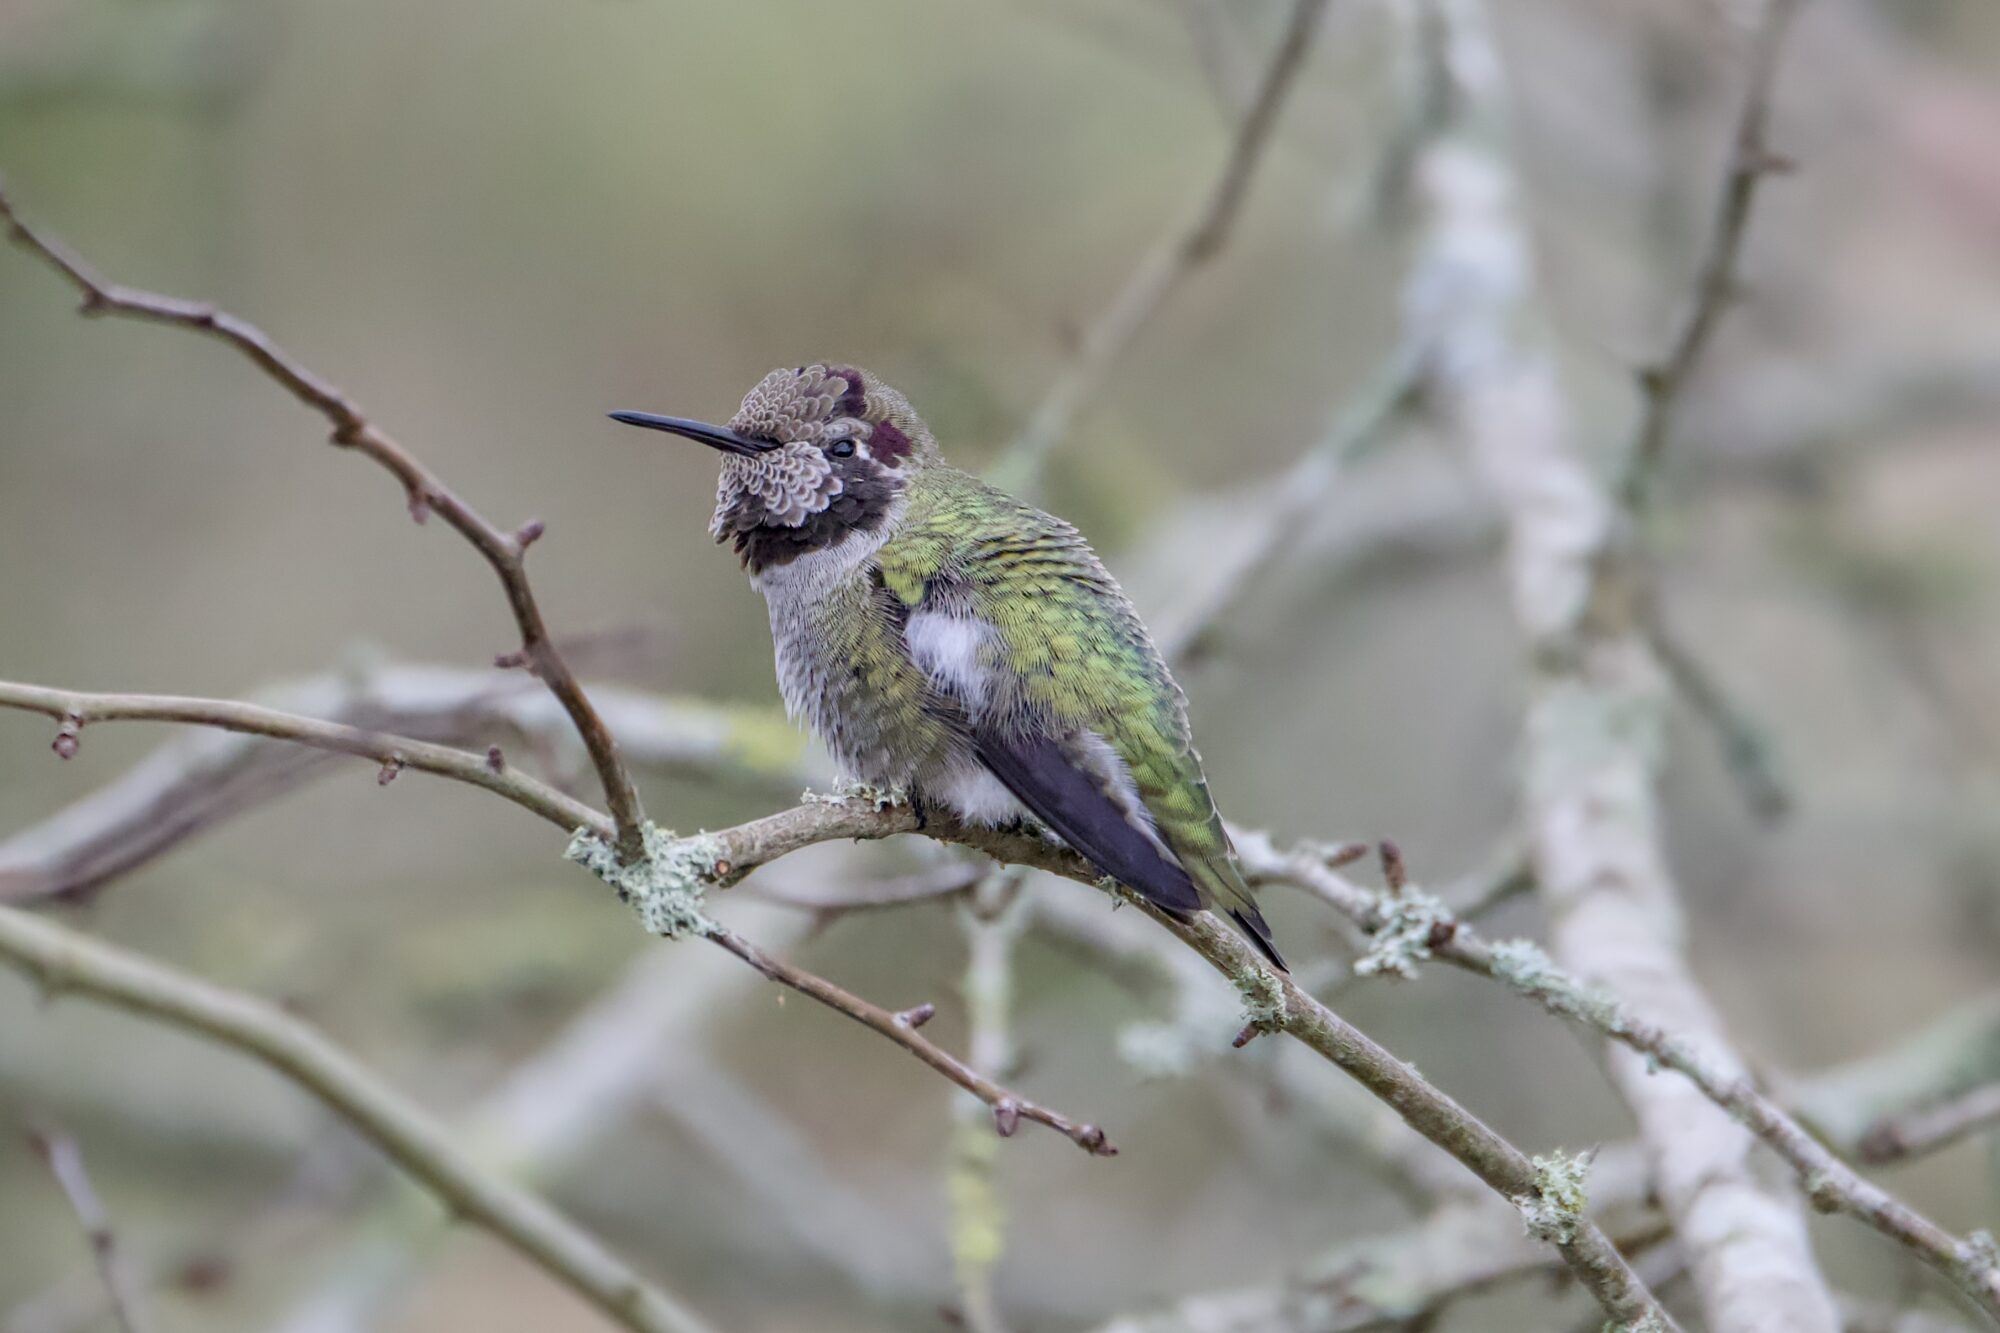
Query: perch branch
[75,710]
[63,961]
[1282,1007]
[505,551]
[1186,246]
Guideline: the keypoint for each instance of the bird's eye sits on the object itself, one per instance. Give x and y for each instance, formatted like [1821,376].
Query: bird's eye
[841,449]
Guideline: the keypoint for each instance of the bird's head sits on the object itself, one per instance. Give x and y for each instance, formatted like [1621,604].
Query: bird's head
[813,454]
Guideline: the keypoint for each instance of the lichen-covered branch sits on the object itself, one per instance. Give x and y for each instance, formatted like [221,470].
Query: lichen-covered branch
[1594,729]
[505,551]
[1273,1003]
[64,962]
[1829,1183]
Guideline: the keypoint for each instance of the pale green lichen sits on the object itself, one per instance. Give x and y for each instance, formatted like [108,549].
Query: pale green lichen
[665,886]
[1980,1256]
[1410,921]
[845,789]
[1523,965]
[1264,1006]
[1553,1211]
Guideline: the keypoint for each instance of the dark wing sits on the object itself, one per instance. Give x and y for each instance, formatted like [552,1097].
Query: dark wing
[1044,777]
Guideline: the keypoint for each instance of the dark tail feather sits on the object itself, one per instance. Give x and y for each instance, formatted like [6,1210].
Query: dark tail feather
[1252,922]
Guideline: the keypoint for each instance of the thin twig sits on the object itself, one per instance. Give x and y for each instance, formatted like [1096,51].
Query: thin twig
[1185,247]
[64,961]
[1716,281]
[1295,498]
[202,776]
[504,551]
[899,1028]
[1915,1133]
[1747,750]
[73,711]
[64,1159]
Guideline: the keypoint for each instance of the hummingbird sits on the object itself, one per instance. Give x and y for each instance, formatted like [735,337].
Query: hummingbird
[939,634]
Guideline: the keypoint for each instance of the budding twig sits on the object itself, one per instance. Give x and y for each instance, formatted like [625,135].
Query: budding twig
[425,491]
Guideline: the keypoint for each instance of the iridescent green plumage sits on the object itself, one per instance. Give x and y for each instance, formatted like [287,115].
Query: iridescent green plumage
[939,632]
[1070,648]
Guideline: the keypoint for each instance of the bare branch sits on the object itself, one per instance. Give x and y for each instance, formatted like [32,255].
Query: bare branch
[1941,1062]
[1296,498]
[75,710]
[1007,1105]
[64,1159]
[1186,246]
[202,777]
[1747,751]
[1916,1133]
[1716,281]
[504,551]
[64,961]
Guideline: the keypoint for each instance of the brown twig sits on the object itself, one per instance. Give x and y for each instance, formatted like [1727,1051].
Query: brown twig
[64,1159]
[64,961]
[1916,1133]
[1186,246]
[203,776]
[901,1028]
[76,710]
[504,551]
[1716,280]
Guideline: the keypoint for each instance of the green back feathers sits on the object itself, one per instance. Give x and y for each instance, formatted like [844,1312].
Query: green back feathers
[1070,650]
